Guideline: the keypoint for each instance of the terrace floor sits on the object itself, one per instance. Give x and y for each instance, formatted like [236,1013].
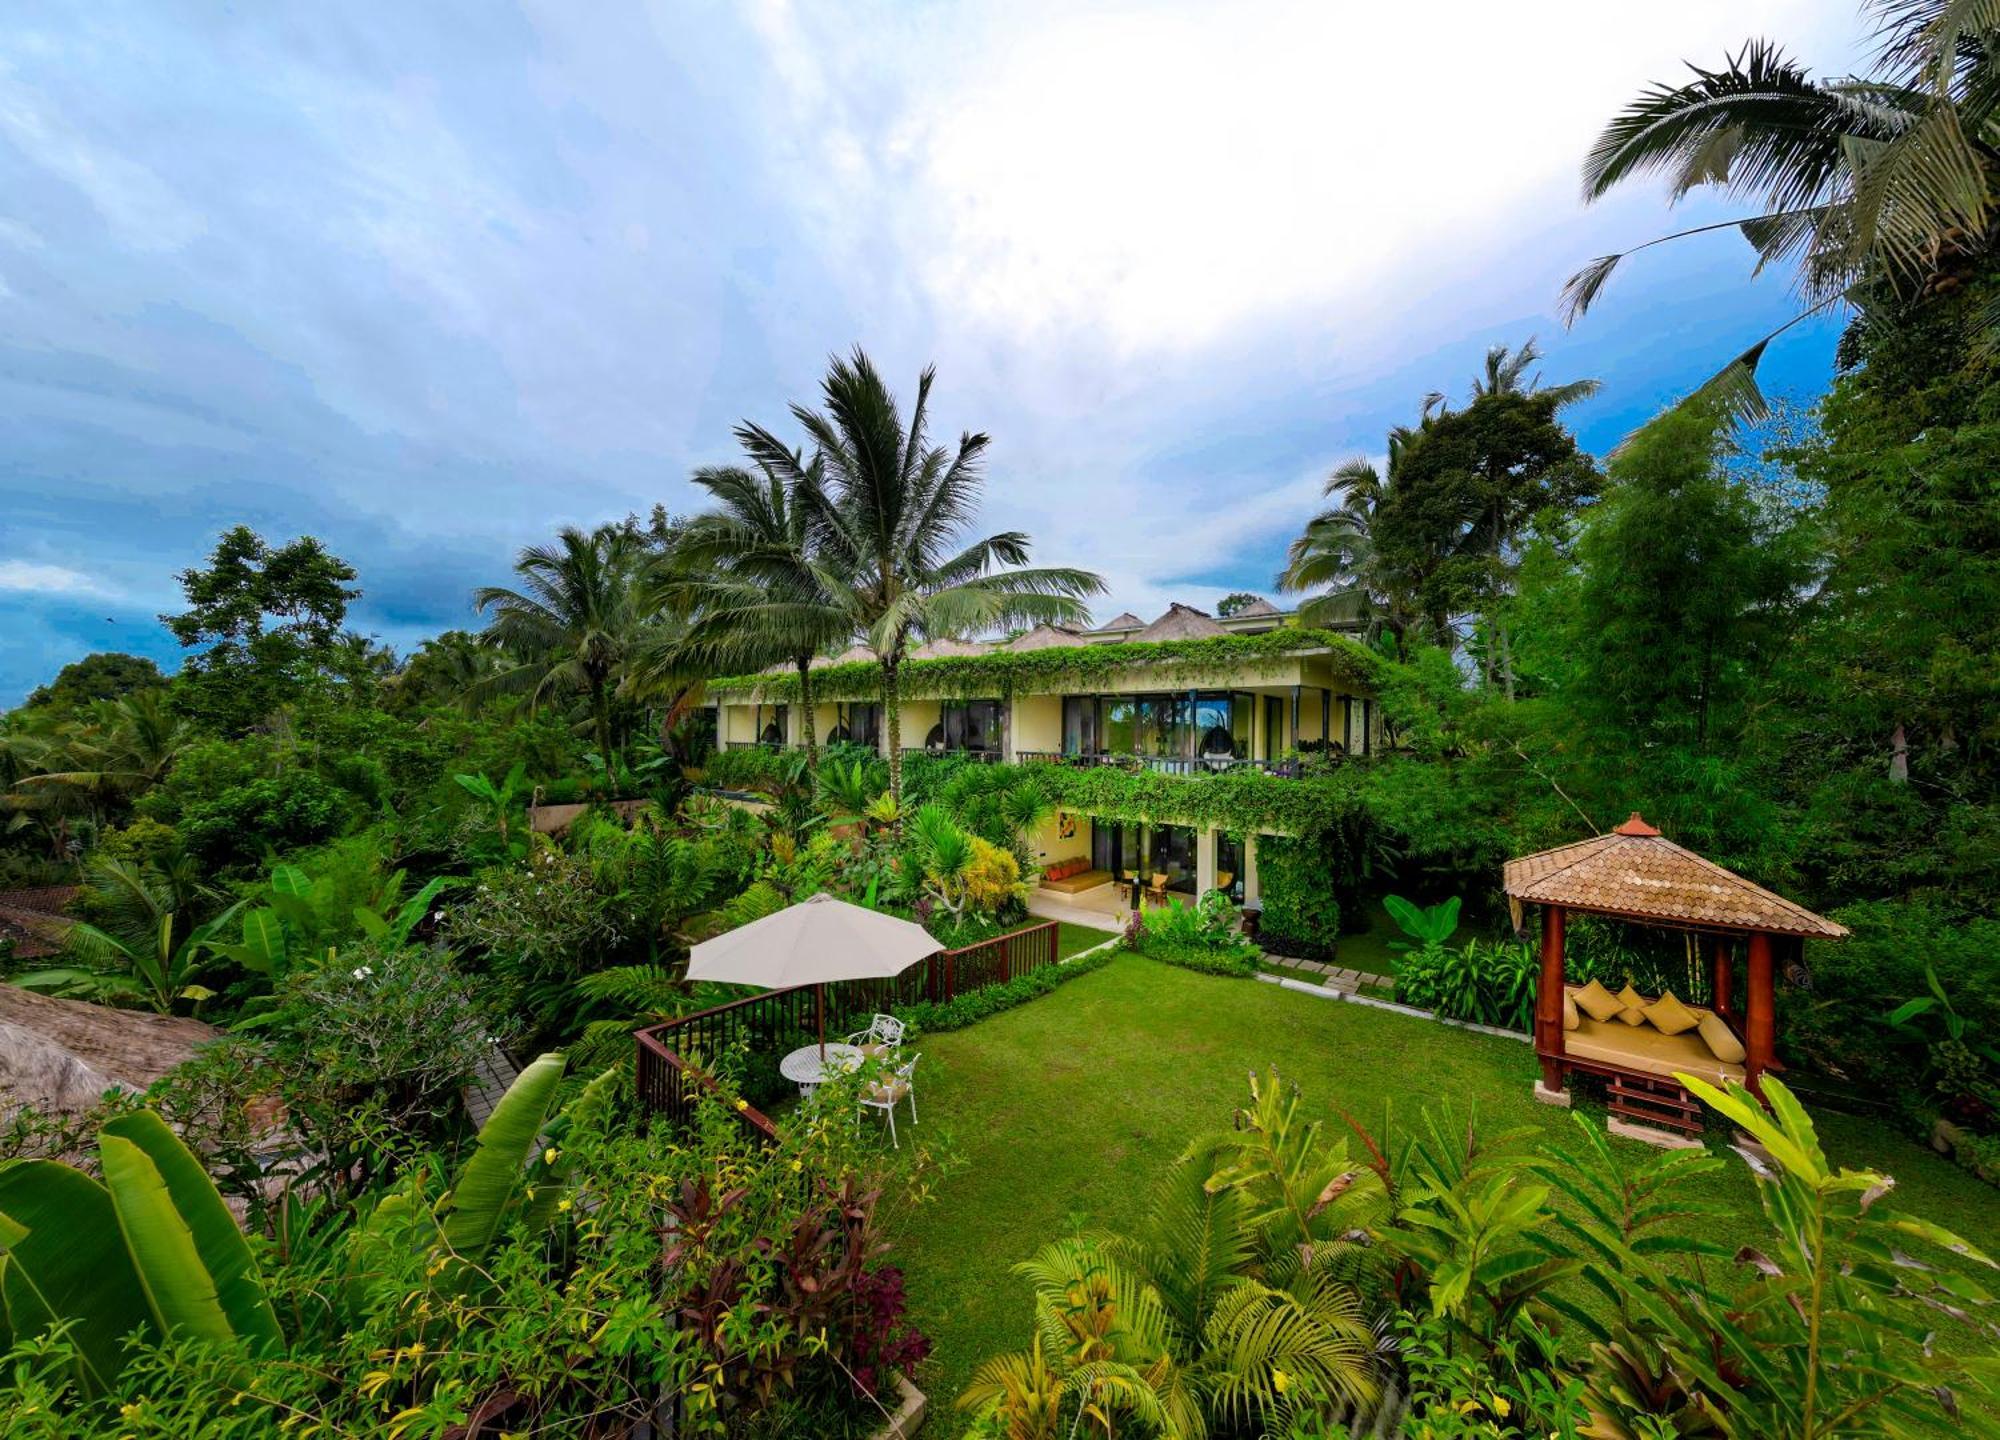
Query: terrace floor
[1067,1109]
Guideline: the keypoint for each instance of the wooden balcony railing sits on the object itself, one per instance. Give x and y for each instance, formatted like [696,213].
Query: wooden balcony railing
[672,1057]
[980,757]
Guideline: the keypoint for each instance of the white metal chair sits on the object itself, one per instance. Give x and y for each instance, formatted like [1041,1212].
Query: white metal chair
[884,1094]
[884,1032]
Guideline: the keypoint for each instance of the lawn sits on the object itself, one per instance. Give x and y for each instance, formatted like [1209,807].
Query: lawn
[1066,1109]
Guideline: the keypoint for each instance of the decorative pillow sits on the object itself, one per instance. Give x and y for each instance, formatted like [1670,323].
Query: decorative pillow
[1597,1002]
[1721,1041]
[1670,1017]
[1570,1018]
[1634,1011]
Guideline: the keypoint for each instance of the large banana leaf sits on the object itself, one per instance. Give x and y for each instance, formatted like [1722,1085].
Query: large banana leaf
[194,1263]
[488,1183]
[551,1181]
[64,1260]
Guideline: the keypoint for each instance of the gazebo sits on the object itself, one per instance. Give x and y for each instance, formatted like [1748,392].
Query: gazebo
[1635,874]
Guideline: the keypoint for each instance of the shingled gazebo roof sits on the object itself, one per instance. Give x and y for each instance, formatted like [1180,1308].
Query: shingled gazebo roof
[1638,874]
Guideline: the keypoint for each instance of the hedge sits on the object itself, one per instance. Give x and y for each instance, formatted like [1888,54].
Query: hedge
[925,1015]
[1296,884]
[1238,962]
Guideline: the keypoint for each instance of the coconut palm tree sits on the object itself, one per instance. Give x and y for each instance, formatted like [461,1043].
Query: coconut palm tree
[1877,186]
[573,622]
[126,748]
[887,519]
[751,572]
[1334,555]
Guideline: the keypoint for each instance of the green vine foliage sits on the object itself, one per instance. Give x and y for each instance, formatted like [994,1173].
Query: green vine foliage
[1297,878]
[1239,802]
[1005,673]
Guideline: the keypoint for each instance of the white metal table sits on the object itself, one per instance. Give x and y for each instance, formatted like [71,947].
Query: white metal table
[804,1066]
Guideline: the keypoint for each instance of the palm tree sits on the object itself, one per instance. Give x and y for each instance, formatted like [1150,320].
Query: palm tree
[127,747]
[887,518]
[572,623]
[1880,186]
[753,574]
[1335,553]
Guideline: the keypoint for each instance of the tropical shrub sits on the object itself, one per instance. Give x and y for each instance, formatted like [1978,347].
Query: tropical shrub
[1203,938]
[1489,982]
[1298,884]
[243,825]
[975,1005]
[1240,1282]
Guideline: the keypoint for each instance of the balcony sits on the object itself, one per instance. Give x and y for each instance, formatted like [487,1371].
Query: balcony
[978,757]
[1160,764]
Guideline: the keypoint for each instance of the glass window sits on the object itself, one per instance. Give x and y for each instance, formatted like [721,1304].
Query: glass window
[1079,725]
[859,724]
[1121,724]
[1242,723]
[1213,732]
[777,727]
[1164,725]
[1170,852]
[972,725]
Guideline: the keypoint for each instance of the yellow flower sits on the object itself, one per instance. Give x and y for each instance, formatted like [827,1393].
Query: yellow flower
[1280,1381]
[549,1156]
[1501,1407]
[416,1349]
[742,1104]
[563,1204]
[1466,1407]
[798,1165]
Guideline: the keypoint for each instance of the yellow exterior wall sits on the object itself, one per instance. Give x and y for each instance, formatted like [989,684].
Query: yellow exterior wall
[1036,723]
[918,718]
[1051,845]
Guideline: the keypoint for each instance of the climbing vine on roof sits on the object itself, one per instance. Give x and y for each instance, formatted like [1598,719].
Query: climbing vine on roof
[1241,802]
[1076,667]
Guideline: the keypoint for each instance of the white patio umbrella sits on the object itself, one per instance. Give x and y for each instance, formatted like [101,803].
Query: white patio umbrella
[815,942]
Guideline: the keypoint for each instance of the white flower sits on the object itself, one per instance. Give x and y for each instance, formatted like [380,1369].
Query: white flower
[362,972]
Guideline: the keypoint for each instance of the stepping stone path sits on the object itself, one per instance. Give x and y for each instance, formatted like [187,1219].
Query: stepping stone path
[1334,977]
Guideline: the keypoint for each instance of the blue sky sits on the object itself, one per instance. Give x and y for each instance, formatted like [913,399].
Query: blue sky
[431,280]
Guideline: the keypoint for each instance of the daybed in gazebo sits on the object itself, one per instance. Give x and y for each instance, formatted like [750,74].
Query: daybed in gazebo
[1635,874]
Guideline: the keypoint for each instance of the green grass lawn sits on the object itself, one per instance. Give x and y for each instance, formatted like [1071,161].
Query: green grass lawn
[1074,939]
[1067,1108]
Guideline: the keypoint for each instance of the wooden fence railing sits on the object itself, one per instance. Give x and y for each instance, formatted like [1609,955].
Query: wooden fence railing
[759,1030]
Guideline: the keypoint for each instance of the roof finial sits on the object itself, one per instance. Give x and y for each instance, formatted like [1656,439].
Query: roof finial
[1635,826]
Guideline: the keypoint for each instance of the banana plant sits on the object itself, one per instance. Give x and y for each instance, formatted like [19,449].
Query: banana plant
[518,1169]
[1426,925]
[500,802]
[156,975]
[151,1248]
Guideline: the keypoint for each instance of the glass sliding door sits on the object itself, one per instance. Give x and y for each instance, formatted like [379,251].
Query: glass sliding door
[1119,725]
[1214,731]
[973,725]
[1170,852]
[1229,866]
[1080,725]
[1243,724]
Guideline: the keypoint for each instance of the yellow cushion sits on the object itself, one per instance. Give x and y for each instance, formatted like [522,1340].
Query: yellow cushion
[1668,1016]
[1570,1018]
[1634,1006]
[1721,1041]
[1600,1003]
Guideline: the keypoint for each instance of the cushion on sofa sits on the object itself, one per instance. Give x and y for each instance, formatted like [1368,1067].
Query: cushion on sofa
[1632,1006]
[1720,1039]
[1570,1018]
[1600,1003]
[1668,1016]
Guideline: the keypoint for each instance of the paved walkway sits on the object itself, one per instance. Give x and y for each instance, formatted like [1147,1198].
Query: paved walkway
[1334,977]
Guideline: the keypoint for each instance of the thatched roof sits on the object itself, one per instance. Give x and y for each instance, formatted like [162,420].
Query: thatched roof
[1259,606]
[34,919]
[1181,622]
[852,655]
[1125,620]
[1046,637]
[1636,873]
[63,1054]
[945,649]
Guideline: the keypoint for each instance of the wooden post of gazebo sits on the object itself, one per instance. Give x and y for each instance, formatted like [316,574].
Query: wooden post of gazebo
[1549,1008]
[1636,875]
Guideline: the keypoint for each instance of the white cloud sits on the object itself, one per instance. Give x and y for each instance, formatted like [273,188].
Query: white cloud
[30,577]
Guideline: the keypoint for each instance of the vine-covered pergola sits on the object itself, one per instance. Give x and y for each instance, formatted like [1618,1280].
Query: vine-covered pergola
[1636,874]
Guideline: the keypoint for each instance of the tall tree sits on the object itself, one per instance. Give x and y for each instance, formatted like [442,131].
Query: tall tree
[761,587]
[1878,188]
[572,623]
[1334,554]
[269,619]
[888,521]
[104,675]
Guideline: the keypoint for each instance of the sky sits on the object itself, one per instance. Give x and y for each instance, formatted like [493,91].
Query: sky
[430,281]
